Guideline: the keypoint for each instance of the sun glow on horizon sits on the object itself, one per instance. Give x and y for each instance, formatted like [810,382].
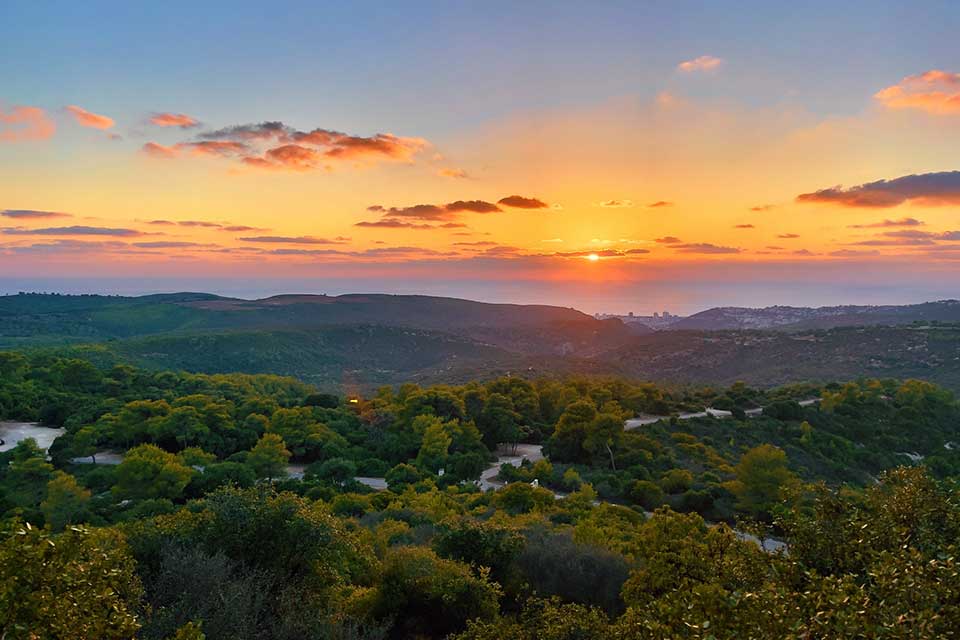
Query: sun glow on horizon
[593,257]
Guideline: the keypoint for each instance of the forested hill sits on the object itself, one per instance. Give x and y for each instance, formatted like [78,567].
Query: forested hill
[530,328]
[364,341]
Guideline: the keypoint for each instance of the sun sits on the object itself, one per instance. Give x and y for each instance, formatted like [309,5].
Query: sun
[593,257]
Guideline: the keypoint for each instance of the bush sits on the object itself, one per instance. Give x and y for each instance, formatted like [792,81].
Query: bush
[554,565]
[647,494]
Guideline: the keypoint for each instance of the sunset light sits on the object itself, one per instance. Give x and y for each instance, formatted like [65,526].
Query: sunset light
[671,160]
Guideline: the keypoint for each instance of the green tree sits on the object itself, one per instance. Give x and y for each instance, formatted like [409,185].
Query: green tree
[66,502]
[147,471]
[84,444]
[78,584]
[762,474]
[402,476]
[567,442]
[269,457]
[434,447]
[603,434]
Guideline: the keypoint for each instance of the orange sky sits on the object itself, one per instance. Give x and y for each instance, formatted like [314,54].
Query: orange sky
[675,176]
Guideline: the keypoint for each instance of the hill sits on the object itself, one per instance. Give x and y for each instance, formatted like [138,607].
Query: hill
[768,358]
[806,318]
[32,318]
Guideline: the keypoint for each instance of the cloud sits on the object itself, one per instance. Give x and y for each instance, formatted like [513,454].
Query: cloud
[853,253]
[262,131]
[478,243]
[659,203]
[180,120]
[520,202]
[704,247]
[763,207]
[241,227]
[474,206]
[446,213]
[156,150]
[615,204]
[701,63]
[788,236]
[199,223]
[293,157]
[89,119]
[169,245]
[25,123]
[934,91]
[902,222]
[296,150]
[289,240]
[431,212]
[668,240]
[923,189]
[451,172]
[30,214]
[909,237]
[744,226]
[393,223]
[73,231]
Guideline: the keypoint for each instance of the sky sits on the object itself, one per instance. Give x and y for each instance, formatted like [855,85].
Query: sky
[613,157]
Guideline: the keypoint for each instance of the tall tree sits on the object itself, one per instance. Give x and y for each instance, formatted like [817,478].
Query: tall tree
[269,457]
[66,501]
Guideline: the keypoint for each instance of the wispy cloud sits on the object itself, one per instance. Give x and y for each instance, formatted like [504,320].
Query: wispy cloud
[180,120]
[934,91]
[24,123]
[31,214]
[902,222]
[291,240]
[704,247]
[89,119]
[452,172]
[668,240]
[77,230]
[659,203]
[700,63]
[615,204]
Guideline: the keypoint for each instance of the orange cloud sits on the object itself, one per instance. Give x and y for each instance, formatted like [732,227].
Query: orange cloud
[181,120]
[305,150]
[217,148]
[89,119]
[659,203]
[935,91]
[158,150]
[450,172]
[25,123]
[701,63]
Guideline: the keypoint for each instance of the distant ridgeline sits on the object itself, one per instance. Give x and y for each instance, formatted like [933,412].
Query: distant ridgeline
[358,342]
[186,506]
